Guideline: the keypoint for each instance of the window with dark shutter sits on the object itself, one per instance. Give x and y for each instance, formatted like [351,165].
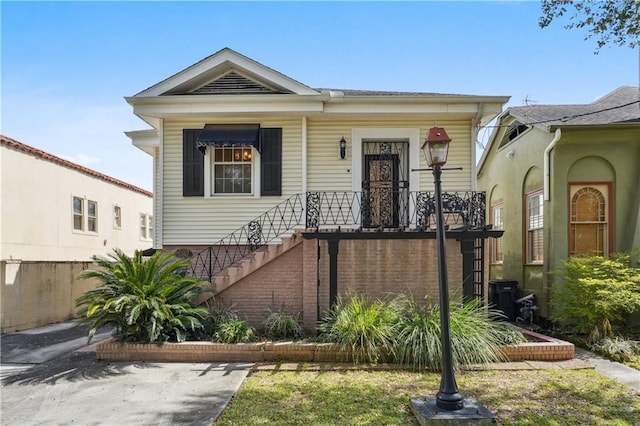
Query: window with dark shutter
[192,165]
[271,161]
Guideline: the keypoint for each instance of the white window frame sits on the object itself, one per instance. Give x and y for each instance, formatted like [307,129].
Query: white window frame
[84,216]
[145,225]
[209,165]
[93,217]
[497,220]
[74,214]
[534,224]
[117,217]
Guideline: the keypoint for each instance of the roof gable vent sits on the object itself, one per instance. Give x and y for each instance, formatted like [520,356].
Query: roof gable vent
[233,83]
[513,131]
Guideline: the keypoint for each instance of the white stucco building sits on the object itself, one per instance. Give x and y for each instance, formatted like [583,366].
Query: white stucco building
[56,210]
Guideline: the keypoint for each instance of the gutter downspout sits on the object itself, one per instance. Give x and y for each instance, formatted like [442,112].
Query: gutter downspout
[546,166]
[475,130]
[303,187]
[547,236]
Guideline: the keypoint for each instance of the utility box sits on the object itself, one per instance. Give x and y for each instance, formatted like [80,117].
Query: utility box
[503,295]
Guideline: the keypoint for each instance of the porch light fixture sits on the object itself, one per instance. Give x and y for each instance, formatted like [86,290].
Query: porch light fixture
[343,148]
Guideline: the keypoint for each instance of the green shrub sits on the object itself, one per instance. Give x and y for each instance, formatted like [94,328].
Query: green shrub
[218,313]
[597,295]
[281,325]
[475,335]
[234,331]
[362,327]
[145,300]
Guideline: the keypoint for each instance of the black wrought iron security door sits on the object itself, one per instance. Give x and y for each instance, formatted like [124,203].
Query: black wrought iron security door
[384,187]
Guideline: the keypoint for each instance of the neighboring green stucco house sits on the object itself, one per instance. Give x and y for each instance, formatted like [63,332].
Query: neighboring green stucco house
[562,180]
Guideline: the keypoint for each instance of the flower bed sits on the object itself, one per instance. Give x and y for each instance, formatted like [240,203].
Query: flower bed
[539,348]
[543,348]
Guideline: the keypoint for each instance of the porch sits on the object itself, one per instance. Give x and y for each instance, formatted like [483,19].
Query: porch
[352,231]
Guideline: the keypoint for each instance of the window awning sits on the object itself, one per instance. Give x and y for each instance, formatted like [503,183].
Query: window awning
[229,135]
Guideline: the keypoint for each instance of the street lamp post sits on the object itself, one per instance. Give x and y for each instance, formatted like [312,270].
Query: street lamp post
[436,148]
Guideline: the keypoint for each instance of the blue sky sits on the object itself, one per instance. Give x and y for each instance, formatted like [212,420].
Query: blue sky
[66,66]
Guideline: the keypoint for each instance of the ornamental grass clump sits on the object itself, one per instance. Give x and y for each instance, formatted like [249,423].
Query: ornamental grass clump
[145,300]
[617,348]
[406,332]
[282,325]
[418,339]
[476,336]
[363,328]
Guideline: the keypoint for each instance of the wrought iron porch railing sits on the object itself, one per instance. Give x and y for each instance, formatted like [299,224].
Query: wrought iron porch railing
[373,208]
[385,208]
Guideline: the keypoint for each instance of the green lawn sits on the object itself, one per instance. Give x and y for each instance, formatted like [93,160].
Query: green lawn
[357,397]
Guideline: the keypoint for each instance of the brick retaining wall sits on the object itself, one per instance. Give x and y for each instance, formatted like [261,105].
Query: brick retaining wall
[548,350]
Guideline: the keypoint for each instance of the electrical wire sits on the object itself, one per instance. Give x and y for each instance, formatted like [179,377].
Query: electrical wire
[566,118]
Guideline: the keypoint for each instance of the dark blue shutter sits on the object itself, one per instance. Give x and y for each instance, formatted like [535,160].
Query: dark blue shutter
[192,165]
[271,161]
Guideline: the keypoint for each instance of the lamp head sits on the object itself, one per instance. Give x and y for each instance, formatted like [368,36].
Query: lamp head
[436,147]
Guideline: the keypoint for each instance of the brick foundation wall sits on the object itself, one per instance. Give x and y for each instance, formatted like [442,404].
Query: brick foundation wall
[378,268]
[275,285]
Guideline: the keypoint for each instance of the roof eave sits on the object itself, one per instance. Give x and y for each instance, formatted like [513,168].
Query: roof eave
[500,117]
[146,140]
[601,126]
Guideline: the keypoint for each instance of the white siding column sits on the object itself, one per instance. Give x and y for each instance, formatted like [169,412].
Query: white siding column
[158,168]
[304,159]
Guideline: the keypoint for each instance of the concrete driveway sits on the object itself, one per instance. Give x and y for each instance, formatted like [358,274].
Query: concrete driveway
[50,376]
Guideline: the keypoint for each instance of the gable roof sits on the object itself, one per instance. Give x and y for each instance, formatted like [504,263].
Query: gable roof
[620,106]
[227,69]
[228,83]
[38,153]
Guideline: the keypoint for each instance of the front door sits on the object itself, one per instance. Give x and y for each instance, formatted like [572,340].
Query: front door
[383,186]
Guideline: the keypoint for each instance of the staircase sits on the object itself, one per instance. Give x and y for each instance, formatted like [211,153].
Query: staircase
[254,261]
[278,230]
[249,248]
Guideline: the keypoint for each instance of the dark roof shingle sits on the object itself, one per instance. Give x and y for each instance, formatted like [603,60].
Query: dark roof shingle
[620,106]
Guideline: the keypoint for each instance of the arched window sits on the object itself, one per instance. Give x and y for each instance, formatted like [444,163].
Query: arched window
[588,220]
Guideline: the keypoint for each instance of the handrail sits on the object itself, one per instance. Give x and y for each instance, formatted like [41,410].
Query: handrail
[248,238]
[373,208]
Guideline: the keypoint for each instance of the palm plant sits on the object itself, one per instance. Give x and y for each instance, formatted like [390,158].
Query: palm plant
[146,300]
